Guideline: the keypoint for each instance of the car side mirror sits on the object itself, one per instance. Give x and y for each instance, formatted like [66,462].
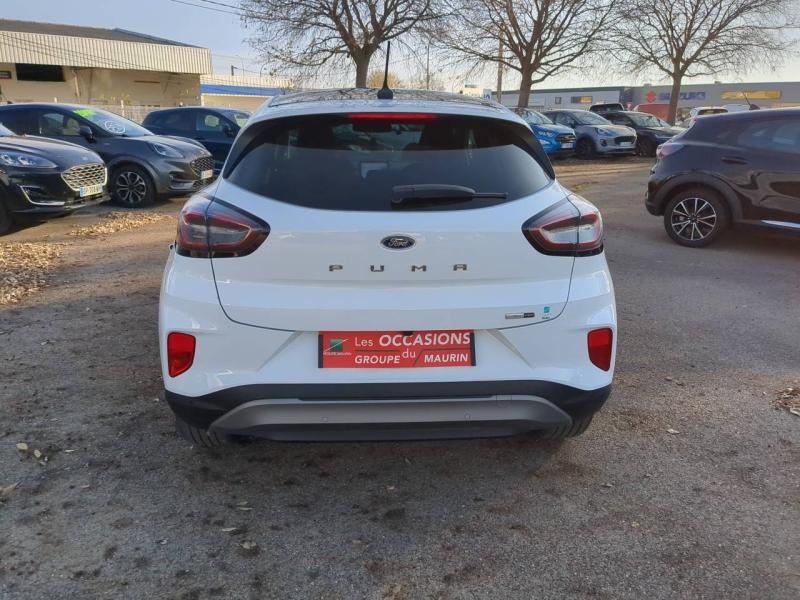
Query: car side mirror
[86,132]
[229,131]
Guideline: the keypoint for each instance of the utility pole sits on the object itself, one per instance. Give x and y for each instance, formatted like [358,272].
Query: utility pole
[232,68]
[499,95]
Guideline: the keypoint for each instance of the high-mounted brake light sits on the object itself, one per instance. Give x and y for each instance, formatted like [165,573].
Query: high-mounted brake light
[180,352]
[600,343]
[404,117]
[571,228]
[209,228]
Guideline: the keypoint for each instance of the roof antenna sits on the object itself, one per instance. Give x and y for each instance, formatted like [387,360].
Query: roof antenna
[385,93]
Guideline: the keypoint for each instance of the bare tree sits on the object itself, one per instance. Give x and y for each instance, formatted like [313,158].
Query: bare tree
[539,38]
[310,35]
[690,38]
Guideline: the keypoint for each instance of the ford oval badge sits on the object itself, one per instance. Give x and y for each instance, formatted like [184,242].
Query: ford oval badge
[397,242]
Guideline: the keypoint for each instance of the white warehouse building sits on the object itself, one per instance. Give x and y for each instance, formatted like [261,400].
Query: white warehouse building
[115,68]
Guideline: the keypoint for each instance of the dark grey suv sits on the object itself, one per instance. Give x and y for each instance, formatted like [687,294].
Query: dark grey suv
[142,167]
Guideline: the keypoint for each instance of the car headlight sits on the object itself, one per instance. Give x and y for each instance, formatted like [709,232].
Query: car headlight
[21,159]
[605,132]
[164,150]
[545,133]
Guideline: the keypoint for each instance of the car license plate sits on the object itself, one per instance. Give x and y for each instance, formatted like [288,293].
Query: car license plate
[567,145]
[207,174]
[396,349]
[626,144]
[90,190]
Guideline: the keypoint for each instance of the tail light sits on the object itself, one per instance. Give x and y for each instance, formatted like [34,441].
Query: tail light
[600,342]
[209,228]
[667,148]
[570,228]
[180,352]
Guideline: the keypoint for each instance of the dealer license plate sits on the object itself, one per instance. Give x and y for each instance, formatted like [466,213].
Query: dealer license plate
[90,190]
[567,145]
[207,174]
[626,144]
[396,349]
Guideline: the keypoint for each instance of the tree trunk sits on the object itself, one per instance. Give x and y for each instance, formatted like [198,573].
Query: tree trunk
[362,67]
[674,97]
[525,87]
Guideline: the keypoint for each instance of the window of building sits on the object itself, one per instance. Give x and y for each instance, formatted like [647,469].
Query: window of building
[26,72]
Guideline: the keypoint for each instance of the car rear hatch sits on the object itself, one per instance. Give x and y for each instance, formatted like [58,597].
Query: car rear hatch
[354,245]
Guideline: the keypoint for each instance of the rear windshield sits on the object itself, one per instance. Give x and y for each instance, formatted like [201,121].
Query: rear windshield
[355,162]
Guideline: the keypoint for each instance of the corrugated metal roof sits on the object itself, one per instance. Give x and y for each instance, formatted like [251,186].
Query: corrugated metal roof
[72,51]
[120,35]
[239,90]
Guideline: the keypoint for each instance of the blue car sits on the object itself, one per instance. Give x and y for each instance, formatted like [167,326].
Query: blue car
[557,140]
[214,128]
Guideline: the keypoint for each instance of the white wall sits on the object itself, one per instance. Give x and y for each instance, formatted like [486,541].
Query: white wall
[105,86]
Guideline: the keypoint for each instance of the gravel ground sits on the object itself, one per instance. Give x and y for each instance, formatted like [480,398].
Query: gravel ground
[686,485]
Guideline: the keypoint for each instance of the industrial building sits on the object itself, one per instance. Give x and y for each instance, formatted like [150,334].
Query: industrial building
[116,68]
[763,94]
[123,71]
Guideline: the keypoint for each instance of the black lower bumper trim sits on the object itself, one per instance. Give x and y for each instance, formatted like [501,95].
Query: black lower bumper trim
[201,411]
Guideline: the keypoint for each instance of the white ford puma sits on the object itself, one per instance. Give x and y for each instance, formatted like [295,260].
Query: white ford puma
[386,269]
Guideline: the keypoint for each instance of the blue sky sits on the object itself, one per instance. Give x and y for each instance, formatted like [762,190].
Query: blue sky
[225,35]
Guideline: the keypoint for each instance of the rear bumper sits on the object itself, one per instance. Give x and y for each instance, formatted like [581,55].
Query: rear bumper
[308,412]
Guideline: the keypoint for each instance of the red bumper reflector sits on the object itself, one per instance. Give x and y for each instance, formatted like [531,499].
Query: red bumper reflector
[600,342]
[180,352]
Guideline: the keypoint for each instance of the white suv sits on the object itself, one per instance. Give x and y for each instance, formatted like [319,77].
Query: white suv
[386,269]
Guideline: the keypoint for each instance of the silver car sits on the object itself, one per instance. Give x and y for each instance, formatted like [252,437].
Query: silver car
[595,134]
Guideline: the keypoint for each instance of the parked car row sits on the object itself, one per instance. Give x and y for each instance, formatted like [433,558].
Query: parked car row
[129,163]
[604,130]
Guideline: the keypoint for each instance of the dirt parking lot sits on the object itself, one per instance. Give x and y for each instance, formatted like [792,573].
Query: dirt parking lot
[686,486]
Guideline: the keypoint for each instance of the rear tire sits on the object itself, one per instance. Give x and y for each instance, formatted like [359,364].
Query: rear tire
[132,187]
[200,437]
[5,220]
[577,427]
[585,149]
[696,217]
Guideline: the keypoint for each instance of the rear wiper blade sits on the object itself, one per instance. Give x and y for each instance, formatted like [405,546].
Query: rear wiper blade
[439,191]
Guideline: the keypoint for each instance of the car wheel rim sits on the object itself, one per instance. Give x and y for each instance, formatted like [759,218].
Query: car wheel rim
[131,187]
[693,219]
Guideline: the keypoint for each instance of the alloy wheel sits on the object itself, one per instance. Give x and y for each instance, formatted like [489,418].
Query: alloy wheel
[131,188]
[693,219]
